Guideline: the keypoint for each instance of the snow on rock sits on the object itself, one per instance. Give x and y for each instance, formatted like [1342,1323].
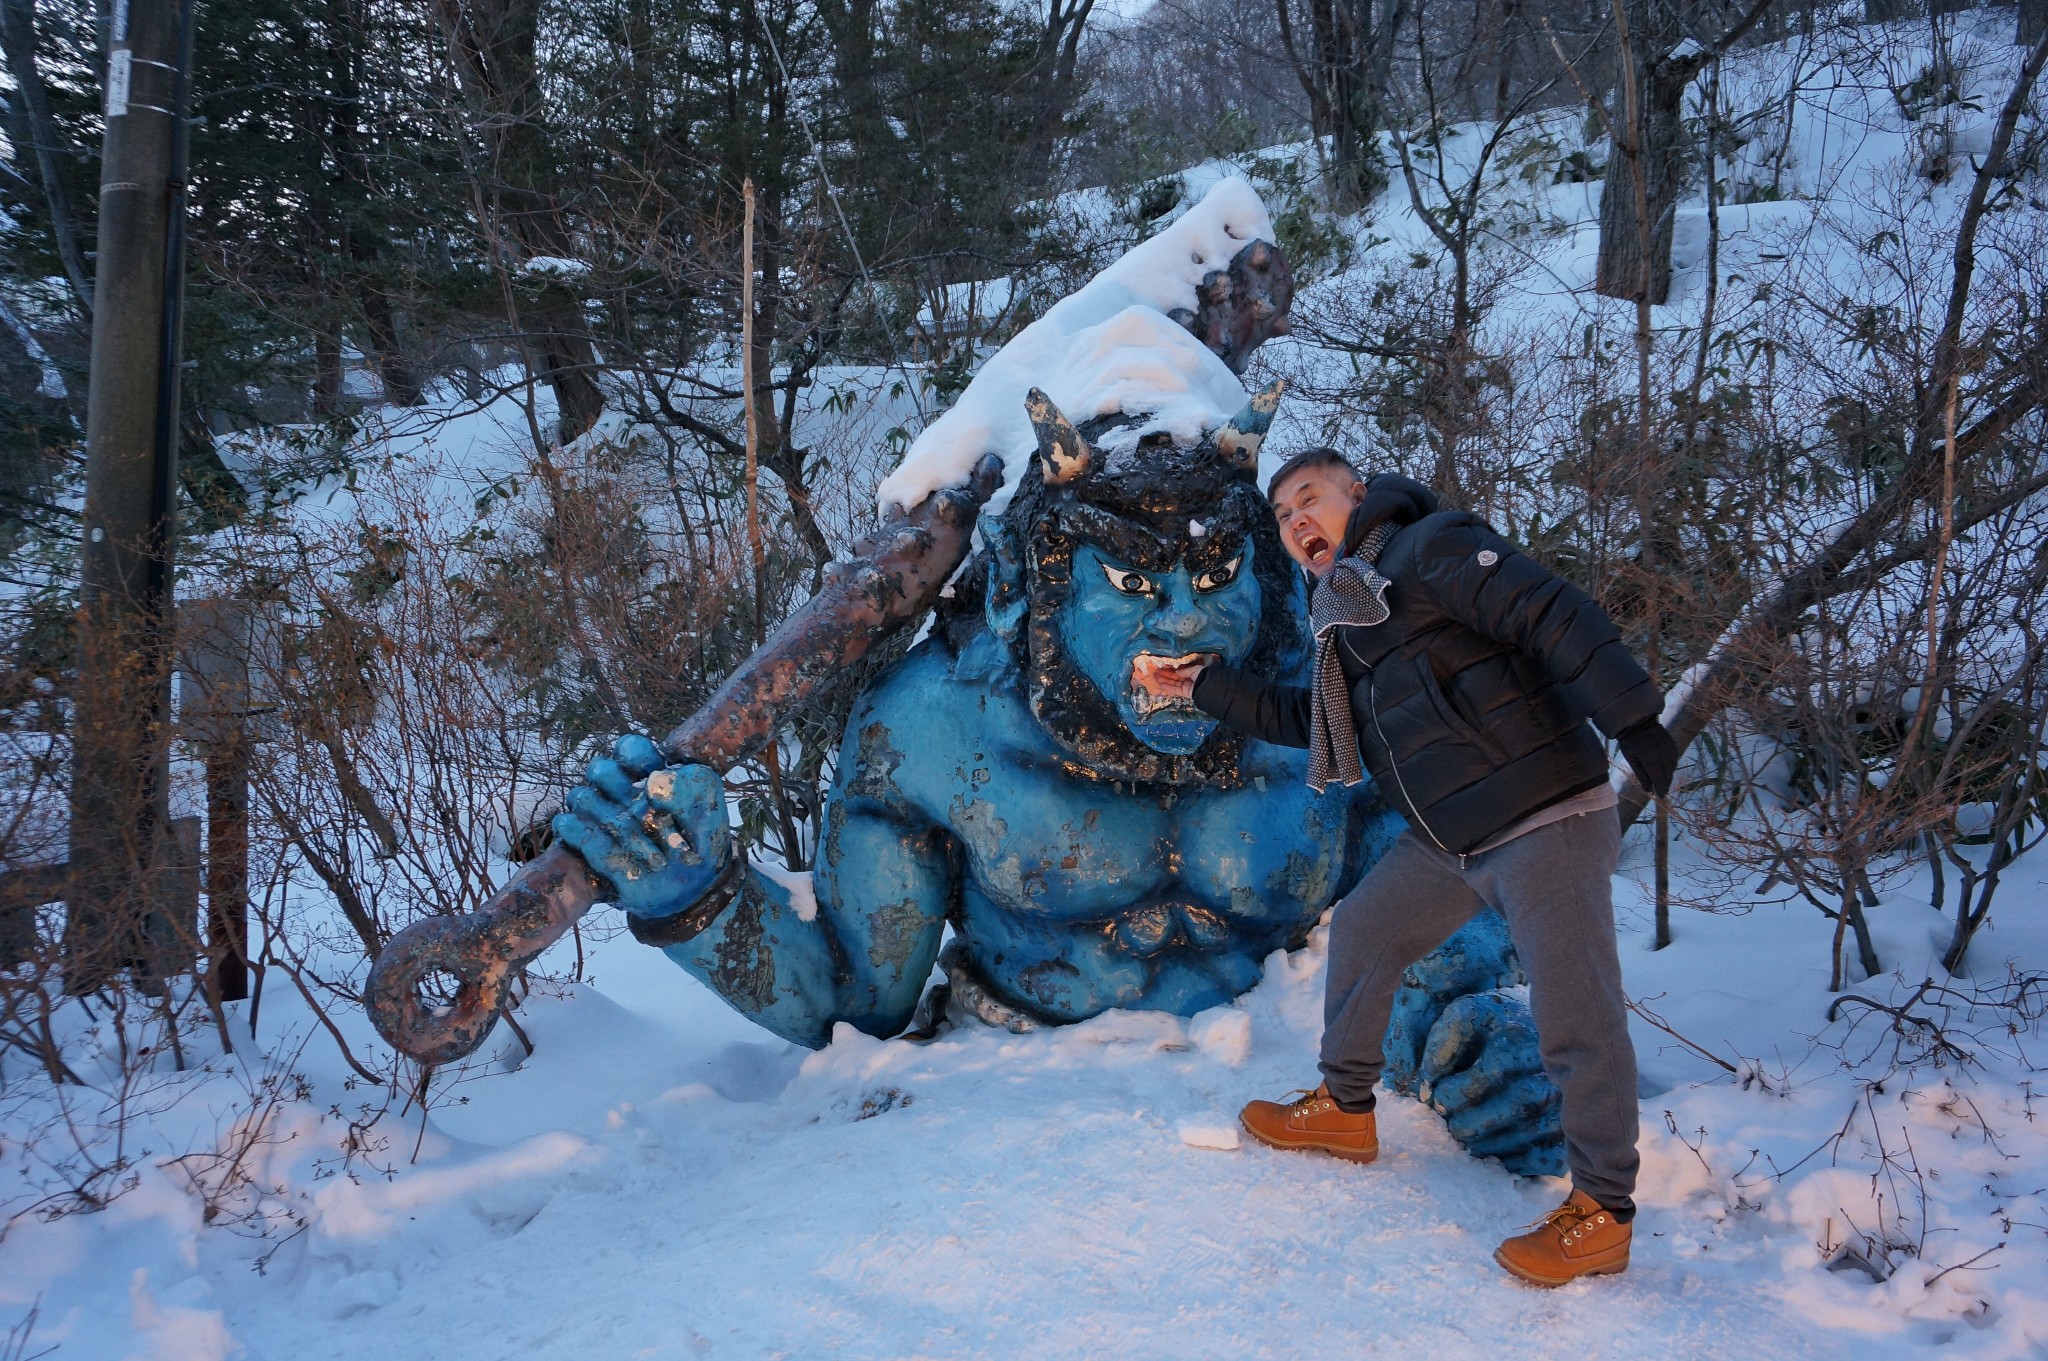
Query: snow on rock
[1110,346]
[554,267]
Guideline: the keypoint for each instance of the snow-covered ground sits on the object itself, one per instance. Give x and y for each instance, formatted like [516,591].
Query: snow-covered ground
[660,1179]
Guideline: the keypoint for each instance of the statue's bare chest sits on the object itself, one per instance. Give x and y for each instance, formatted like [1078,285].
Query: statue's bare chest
[1040,842]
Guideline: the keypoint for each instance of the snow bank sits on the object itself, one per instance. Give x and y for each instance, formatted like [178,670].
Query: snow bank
[1108,347]
[1060,1193]
[173,1332]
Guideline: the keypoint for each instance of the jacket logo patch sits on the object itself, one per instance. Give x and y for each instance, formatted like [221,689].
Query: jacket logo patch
[1487,557]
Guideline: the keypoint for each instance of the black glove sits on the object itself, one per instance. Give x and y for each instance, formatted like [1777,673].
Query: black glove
[1651,754]
[1382,503]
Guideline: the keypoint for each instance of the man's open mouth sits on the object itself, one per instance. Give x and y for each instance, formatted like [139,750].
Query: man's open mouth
[1315,548]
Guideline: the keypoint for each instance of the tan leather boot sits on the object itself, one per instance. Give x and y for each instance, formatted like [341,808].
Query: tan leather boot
[1313,1121]
[1578,1238]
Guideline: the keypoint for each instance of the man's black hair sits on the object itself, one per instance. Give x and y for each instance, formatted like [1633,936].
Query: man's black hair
[1320,457]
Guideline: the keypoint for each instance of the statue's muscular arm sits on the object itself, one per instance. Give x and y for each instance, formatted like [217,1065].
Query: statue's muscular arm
[882,887]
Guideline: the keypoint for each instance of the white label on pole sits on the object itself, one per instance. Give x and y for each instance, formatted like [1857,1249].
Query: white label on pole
[120,34]
[118,67]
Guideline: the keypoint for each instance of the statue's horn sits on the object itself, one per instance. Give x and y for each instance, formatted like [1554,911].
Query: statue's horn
[1061,449]
[1240,438]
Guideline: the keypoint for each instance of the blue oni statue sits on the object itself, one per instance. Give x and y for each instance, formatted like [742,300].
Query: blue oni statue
[1092,847]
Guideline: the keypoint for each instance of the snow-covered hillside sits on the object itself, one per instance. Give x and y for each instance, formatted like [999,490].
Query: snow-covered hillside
[660,1179]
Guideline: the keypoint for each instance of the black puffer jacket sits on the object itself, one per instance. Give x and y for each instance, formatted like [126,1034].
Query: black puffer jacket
[1471,701]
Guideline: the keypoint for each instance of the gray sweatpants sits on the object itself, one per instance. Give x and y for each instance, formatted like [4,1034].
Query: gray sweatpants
[1553,885]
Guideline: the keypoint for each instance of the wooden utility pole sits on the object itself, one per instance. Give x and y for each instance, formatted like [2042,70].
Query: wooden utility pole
[120,854]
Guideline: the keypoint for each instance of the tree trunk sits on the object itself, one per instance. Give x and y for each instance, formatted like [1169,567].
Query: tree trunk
[1345,72]
[851,24]
[787,463]
[2033,22]
[402,385]
[568,365]
[326,373]
[1970,915]
[1504,57]
[1835,970]
[1866,949]
[1052,74]
[227,869]
[1938,892]
[1648,139]
[776,453]
[401,378]
[1650,144]
[494,46]
[34,124]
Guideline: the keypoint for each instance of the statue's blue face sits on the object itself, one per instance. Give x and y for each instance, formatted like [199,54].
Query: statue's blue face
[1116,613]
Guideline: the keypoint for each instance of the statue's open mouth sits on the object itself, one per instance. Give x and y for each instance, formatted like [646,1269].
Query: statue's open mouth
[1147,704]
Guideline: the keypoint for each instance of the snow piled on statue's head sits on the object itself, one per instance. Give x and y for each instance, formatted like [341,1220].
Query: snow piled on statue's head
[1109,347]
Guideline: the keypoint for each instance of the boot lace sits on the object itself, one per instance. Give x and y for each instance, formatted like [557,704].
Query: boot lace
[1570,1221]
[1564,1218]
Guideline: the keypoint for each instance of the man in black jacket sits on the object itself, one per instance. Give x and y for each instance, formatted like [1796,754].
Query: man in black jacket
[1461,674]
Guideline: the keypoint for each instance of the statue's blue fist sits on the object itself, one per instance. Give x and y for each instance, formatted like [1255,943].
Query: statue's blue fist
[1478,958]
[1462,1040]
[1482,1073]
[656,835]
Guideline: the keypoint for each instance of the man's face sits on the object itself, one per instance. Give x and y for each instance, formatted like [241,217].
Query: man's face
[1118,612]
[1313,507]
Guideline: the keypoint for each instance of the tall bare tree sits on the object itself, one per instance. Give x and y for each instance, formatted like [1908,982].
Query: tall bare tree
[1648,151]
[1345,63]
[492,53]
[33,124]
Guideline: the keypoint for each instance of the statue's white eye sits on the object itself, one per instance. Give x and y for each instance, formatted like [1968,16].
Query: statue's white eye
[1127,581]
[1216,578]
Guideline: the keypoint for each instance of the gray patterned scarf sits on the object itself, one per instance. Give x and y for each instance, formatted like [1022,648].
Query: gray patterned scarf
[1353,594]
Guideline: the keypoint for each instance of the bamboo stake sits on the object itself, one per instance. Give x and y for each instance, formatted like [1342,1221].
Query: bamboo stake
[771,760]
[753,420]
